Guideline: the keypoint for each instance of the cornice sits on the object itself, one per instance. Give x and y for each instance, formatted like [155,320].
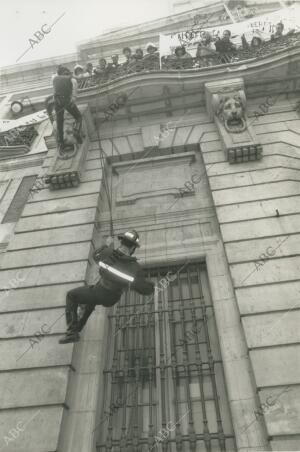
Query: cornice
[142,30]
[248,69]
[169,24]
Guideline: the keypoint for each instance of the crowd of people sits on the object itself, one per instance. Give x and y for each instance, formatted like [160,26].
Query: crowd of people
[132,62]
[210,51]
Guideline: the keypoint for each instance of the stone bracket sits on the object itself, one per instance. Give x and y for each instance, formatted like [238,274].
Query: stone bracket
[226,105]
[66,172]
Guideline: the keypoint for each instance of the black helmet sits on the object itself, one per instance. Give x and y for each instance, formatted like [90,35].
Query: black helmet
[131,237]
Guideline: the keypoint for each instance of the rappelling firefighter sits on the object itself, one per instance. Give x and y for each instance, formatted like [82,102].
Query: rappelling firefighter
[118,271]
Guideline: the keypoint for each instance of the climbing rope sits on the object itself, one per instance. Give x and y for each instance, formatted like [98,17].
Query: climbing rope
[104,177]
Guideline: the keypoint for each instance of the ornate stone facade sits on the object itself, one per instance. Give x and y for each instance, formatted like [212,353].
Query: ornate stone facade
[227,105]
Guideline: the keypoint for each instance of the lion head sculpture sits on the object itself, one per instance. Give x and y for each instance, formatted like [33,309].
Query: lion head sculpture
[231,111]
[69,138]
[70,141]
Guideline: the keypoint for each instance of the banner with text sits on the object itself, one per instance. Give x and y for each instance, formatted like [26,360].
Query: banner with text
[263,26]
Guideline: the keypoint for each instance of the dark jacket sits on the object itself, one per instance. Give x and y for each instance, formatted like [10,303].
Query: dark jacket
[223,46]
[62,85]
[127,265]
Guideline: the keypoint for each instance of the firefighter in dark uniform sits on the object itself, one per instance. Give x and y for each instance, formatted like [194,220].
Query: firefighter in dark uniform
[118,270]
[65,91]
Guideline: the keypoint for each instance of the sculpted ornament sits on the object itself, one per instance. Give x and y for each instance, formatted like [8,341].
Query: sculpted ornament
[226,106]
[231,111]
[67,163]
[73,137]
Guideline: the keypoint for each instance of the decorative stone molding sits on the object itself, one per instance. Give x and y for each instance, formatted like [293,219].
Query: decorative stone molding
[65,171]
[147,178]
[226,105]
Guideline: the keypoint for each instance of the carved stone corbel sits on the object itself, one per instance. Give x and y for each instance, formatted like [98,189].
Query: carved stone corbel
[65,170]
[226,105]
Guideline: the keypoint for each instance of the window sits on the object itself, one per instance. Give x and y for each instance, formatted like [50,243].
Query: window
[17,205]
[163,367]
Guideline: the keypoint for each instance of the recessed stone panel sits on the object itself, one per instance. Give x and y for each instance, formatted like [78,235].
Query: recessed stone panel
[44,275]
[83,189]
[151,178]
[266,227]
[20,354]
[32,323]
[272,329]
[34,387]
[256,192]
[39,429]
[60,205]
[273,297]
[56,220]
[269,271]
[276,366]
[49,255]
[281,410]
[254,177]
[249,210]
[48,237]
[267,248]
[34,297]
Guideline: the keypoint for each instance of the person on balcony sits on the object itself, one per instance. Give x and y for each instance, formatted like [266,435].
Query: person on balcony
[65,93]
[118,270]
[181,59]
[279,32]
[151,59]
[225,47]
[101,70]
[89,70]
[78,71]
[129,60]
[115,63]
[255,44]
[138,56]
[79,75]
[114,67]
[206,50]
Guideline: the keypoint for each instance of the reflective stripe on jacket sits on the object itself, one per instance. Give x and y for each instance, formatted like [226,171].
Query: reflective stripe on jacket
[122,270]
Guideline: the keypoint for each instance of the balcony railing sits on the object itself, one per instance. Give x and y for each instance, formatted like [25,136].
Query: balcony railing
[173,63]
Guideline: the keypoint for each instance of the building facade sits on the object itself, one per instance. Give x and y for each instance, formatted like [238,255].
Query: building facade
[204,163]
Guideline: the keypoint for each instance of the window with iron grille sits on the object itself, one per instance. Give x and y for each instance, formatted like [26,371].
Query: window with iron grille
[164,386]
[23,135]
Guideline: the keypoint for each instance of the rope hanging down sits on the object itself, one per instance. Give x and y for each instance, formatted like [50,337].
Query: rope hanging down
[104,177]
[109,191]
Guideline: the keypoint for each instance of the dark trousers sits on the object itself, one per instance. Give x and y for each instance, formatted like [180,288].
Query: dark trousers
[89,296]
[62,103]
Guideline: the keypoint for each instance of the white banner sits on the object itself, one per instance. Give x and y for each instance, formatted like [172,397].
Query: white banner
[263,26]
[34,118]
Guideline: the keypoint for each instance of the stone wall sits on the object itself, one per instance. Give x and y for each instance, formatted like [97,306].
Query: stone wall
[258,208]
[48,254]
[175,229]
[54,390]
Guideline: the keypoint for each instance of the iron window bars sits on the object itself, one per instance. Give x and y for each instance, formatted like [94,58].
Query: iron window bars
[164,387]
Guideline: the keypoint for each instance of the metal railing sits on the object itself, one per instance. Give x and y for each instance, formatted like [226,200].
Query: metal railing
[173,63]
[164,385]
